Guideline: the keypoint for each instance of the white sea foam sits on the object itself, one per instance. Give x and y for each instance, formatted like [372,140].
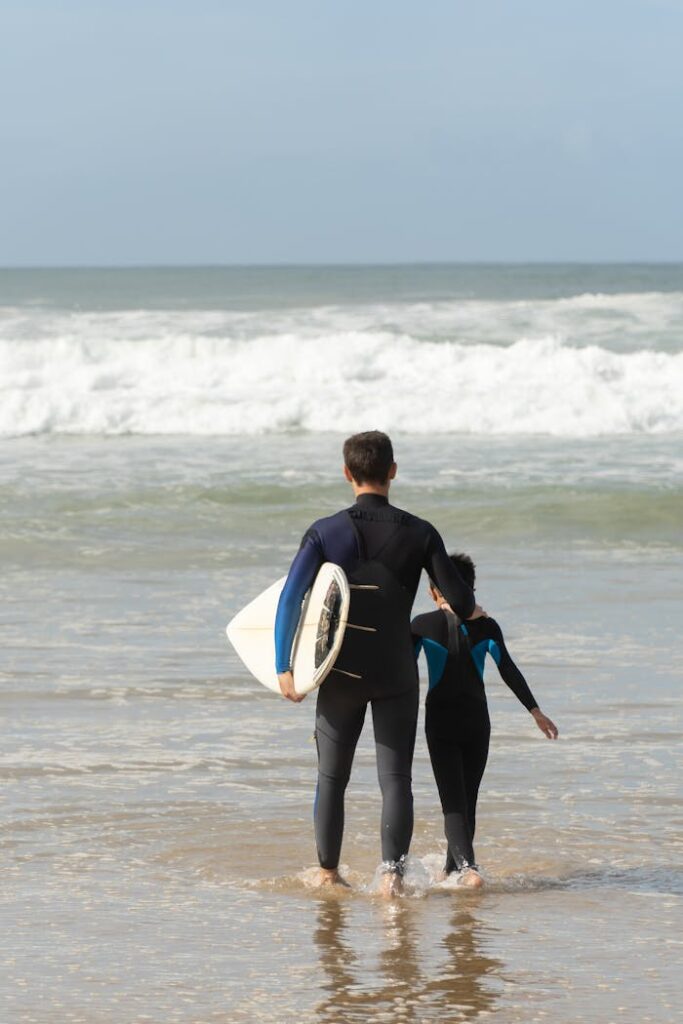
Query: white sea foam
[321,370]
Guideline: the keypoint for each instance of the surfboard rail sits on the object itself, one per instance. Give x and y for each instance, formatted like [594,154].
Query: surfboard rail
[318,638]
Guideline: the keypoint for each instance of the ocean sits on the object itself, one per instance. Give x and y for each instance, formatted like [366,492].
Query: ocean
[166,436]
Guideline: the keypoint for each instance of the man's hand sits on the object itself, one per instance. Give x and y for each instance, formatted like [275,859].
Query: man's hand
[478,613]
[286,681]
[547,727]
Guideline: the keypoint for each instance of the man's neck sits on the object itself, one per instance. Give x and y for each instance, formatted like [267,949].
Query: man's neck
[381,489]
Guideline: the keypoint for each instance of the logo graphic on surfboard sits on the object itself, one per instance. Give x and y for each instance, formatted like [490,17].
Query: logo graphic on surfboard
[319,635]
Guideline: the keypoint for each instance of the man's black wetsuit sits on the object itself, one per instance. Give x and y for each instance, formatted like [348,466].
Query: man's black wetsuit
[383,552]
[457,718]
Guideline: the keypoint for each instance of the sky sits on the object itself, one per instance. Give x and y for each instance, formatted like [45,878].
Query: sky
[318,131]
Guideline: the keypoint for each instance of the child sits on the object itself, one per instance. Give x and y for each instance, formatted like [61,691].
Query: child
[457,720]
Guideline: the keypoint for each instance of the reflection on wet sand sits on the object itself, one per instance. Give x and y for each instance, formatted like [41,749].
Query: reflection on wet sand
[458,982]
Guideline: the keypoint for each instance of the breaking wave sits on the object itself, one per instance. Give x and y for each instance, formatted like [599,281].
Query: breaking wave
[209,374]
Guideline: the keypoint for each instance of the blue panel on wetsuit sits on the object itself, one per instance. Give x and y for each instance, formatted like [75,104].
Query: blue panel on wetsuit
[494,651]
[436,660]
[480,650]
[479,656]
[301,575]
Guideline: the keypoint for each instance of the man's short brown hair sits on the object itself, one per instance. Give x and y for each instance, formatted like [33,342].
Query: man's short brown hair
[369,457]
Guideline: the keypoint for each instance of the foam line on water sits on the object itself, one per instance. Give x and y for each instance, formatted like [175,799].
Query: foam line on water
[197,384]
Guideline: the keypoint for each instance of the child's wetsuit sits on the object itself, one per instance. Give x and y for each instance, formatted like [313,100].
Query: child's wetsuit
[457,721]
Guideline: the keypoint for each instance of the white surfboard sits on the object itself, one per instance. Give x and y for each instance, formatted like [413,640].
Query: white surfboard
[324,614]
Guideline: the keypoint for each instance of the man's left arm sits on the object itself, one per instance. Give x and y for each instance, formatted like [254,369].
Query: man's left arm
[459,595]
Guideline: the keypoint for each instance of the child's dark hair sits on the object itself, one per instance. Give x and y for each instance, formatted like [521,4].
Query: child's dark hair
[465,566]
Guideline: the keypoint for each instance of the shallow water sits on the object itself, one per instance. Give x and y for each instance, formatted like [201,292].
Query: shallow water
[156,803]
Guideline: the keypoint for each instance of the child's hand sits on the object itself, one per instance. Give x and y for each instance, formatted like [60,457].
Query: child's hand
[547,727]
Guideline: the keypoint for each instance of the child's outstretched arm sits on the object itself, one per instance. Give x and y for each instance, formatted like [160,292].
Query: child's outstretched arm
[513,678]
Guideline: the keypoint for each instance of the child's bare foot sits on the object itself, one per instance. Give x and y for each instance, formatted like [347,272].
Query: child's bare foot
[331,876]
[390,885]
[471,879]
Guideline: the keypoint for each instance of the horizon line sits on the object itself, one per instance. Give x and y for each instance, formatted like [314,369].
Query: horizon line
[346,264]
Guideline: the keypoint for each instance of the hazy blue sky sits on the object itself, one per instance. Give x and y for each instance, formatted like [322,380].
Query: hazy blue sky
[312,130]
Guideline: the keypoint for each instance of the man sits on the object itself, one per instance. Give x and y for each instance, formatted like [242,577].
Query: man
[383,551]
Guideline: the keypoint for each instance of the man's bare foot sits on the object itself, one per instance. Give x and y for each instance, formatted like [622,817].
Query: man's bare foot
[471,879]
[390,885]
[331,876]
